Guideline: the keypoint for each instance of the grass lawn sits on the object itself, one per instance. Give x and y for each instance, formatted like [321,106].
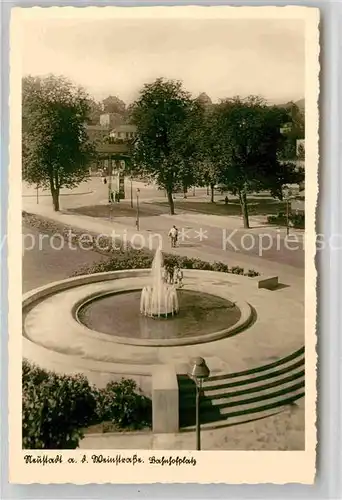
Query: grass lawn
[121,210]
[256,206]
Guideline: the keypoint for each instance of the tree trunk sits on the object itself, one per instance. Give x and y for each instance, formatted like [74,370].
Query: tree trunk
[171,203]
[244,208]
[55,199]
[185,191]
[212,193]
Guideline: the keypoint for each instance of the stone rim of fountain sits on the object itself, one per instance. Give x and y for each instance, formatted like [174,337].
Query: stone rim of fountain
[37,296]
[245,319]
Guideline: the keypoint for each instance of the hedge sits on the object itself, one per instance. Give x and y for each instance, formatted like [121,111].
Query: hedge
[296,220]
[57,408]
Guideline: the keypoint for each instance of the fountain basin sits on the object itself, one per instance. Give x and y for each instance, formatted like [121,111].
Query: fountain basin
[199,314]
[53,339]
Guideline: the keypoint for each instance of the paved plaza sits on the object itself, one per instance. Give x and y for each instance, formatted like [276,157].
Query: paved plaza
[277,333]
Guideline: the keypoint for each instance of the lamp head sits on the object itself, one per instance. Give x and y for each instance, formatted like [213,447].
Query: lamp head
[199,369]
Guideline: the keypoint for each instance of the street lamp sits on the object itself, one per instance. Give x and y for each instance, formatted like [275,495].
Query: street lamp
[199,371]
[287,194]
[137,221]
[131,192]
[110,173]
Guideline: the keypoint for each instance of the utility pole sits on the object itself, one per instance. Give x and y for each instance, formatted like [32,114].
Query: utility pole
[131,192]
[138,215]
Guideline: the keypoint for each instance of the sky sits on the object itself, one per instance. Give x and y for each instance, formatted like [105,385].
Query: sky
[222,57]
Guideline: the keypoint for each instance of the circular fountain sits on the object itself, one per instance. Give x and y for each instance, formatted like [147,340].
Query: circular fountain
[159,300]
[128,322]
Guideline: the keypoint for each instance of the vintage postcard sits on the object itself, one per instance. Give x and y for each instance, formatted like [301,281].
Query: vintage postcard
[162,194]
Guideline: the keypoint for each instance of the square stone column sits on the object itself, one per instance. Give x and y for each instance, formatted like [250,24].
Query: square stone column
[165,400]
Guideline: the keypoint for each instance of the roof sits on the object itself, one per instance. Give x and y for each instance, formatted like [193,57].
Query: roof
[97,127]
[112,148]
[125,128]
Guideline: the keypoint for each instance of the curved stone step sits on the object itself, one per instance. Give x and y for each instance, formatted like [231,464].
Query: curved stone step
[235,400]
[188,397]
[283,362]
[245,396]
[240,417]
[252,409]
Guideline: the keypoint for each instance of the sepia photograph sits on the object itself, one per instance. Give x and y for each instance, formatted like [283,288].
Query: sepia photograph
[164,174]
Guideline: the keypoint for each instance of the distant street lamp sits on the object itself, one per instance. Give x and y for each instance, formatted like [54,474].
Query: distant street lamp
[199,371]
[110,172]
[138,215]
[131,192]
[287,195]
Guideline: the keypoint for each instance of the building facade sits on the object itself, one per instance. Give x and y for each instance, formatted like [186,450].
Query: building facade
[124,132]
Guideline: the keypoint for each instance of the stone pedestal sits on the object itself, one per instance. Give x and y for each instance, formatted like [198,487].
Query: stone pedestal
[269,282]
[165,400]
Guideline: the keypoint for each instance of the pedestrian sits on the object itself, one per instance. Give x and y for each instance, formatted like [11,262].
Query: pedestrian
[112,196]
[179,277]
[173,235]
[165,275]
[104,180]
[226,200]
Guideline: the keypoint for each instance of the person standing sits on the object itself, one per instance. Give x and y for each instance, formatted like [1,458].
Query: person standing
[173,235]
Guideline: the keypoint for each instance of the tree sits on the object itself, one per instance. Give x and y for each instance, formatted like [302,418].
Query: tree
[112,104]
[168,123]
[56,148]
[95,110]
[246,142]
[209,171]
[294,130]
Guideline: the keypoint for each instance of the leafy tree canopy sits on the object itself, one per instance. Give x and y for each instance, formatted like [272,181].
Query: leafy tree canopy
[245,146]
[168,124]
[112,104]
[56,149]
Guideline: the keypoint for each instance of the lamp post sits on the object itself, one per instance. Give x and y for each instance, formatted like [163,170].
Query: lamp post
[199,371]
[287,194]
[131,192]
[138,215]
[110,179]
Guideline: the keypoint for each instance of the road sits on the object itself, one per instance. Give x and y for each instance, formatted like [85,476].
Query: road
[92,192]
[43,264]
[205,232]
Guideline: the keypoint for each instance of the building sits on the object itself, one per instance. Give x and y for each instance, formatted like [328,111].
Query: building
[97,133]
[124,132]
[111,120]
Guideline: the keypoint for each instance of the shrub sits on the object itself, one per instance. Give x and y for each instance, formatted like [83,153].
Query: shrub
[296,220]
[279,219]
[124,405]
[55,408]
[143,261]
[251,273]
[237,270]
[220,267]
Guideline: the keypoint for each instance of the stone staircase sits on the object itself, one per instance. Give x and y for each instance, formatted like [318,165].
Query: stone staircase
[234,398]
